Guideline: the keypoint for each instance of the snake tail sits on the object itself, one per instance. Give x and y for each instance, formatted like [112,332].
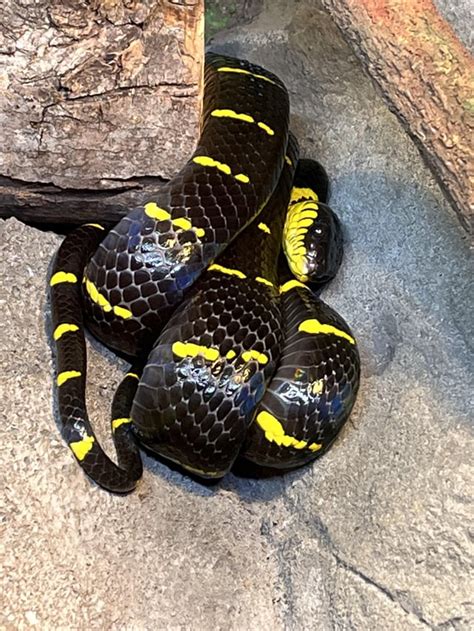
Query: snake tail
[71,357]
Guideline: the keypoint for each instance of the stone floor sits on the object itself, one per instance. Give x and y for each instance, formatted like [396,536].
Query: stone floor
[375,535]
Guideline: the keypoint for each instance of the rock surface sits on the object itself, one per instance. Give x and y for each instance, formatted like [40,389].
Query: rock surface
[375,535]
[81,85]
[460,14]
[89,109]
[426,76]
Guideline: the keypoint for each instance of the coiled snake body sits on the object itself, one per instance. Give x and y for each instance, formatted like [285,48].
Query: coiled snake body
[233,353]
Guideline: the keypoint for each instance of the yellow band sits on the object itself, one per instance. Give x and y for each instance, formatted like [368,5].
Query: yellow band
[316,327]
[66,375]
[62,277]
[61,329]
[275,433]
[117,422]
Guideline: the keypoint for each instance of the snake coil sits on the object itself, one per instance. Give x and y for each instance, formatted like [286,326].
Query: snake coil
[233,354]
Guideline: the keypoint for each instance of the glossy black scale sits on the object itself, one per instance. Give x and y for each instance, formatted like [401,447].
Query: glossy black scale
[71,358]
[312,393]
[199,403]
[195,410]
[324,248]
[144,265]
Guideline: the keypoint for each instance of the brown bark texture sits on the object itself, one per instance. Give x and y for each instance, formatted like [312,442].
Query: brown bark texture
[99,103]
[427,77]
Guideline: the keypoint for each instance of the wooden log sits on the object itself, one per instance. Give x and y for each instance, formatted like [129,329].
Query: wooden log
[99,103]
[427,78]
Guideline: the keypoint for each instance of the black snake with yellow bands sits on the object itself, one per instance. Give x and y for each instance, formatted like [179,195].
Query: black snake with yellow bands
[242,359]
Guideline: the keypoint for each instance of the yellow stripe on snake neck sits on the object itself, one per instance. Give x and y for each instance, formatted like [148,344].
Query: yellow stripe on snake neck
[133,375]
[155,212]
[232,114]
[291,284]
[316,327]
[226,270]
[264,281]
[62,277]
[61,329]
[266,128]
[82,447]
[117,422]
[242,178]
[188,349]
[121,312]
[182,223]
[275,433]
[300,217]
[300,193]
[160,214]
[264,228]
[242,117]
[206,161]
[185,224]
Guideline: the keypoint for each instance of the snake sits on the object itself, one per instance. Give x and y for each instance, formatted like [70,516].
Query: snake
[211,290]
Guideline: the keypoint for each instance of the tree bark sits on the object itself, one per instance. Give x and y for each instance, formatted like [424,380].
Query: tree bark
[99,103]
[427,78]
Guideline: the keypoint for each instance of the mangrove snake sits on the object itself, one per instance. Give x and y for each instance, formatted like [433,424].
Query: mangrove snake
[233,353]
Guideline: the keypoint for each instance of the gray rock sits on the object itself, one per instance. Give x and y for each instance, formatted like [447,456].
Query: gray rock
[460,14]
[375,535]
[172,555]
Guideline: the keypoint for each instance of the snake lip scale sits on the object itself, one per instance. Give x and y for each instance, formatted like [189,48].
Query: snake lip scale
[211,288]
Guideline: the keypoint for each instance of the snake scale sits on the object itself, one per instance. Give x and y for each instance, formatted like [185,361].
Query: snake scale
[233,353]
